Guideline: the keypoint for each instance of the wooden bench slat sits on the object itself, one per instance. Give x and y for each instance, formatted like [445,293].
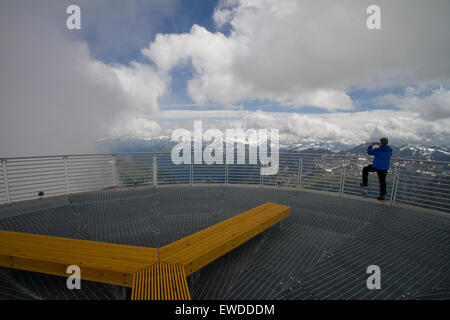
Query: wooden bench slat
[78,258]
[101,248]
[101,262]
[160,281]
[71,256]
[82,262]
[91,273]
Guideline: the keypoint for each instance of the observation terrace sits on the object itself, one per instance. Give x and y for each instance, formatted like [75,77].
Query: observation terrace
[321,251]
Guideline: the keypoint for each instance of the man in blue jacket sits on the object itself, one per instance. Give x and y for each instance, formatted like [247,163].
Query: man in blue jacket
[380,164]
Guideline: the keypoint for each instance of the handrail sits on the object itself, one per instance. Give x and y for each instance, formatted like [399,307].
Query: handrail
[416,181]
[168,152]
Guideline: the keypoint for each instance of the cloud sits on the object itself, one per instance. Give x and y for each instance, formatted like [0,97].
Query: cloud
[55,98]
[136,127]
[430,104]
[400,126]
[310,52]
[212,56]
[432,107]
[180,115]
[141,86]
[347,128]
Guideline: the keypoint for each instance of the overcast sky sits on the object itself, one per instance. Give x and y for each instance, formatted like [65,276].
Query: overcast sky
[310,68]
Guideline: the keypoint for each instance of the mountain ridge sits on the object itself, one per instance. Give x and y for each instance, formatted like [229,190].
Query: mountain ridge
[164,144]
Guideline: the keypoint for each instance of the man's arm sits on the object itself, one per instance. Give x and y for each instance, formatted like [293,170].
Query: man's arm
[371,151]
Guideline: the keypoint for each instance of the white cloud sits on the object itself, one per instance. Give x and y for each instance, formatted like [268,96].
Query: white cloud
[429,104]
[432,107]
[179,115]
[141,86]
[347,128]
[136,127]
[331,100]
[309,53]
[213,57]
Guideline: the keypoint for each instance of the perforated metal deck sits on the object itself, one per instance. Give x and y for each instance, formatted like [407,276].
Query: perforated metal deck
[321,251]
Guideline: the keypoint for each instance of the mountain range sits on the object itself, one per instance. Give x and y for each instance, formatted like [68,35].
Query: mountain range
[164,144]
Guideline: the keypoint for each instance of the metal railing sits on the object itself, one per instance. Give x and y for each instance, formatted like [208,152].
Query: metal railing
[420,183]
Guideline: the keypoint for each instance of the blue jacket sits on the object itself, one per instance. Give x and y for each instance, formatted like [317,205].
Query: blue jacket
[382,156]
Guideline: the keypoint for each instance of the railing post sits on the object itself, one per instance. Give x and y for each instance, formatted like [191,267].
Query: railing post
[300,172]
[5,179]
[66,174]
[155,170]
[114,171]
[395,183]
[191,171]
[261,178]
[226,173]
[343,172]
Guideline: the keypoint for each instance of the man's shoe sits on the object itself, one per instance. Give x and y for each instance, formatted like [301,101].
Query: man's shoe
[381,198]
[363,185]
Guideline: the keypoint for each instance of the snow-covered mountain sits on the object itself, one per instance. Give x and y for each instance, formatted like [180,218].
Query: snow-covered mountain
[409,151]
[313,147]
[135,144]
[427,152]
[163,143]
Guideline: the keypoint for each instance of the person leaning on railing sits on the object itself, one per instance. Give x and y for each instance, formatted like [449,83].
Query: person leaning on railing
[380,164]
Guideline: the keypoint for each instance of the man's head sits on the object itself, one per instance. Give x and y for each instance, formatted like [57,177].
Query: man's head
[384,141]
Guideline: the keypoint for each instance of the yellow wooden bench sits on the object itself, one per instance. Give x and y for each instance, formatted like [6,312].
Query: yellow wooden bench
[151,273]
[201,248]
[102,262]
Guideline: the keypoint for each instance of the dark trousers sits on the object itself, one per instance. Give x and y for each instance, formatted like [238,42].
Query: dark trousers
[381,177]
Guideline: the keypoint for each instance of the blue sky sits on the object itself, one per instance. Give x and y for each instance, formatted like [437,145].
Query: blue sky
[143,68]
[142,23]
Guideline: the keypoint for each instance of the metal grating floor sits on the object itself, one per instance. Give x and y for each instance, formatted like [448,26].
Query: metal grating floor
[320,252]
